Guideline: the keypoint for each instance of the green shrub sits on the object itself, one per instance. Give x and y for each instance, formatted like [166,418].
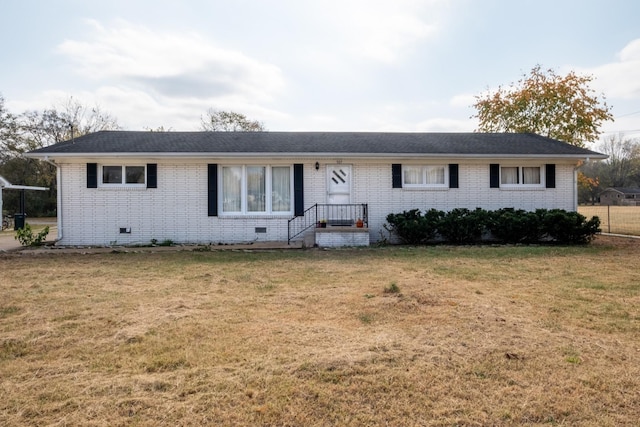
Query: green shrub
[28,238]
[516,226]
[570,227]
[463,226]
[412,227]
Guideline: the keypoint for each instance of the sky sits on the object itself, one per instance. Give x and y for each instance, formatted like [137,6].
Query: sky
[297,65]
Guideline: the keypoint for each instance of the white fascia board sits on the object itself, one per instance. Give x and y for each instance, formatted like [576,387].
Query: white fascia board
[24,187]
[183,155]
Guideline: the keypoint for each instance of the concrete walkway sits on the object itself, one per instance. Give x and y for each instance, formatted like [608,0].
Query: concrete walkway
[7,241]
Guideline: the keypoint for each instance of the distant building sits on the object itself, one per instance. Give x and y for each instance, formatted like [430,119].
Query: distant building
[619,196]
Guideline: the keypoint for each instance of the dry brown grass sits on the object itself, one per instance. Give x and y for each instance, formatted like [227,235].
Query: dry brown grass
[475,336]
[615,219]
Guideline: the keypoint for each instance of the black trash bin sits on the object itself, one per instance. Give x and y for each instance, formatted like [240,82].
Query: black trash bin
[19,220]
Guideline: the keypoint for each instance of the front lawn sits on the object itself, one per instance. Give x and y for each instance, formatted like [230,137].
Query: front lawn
[491,335]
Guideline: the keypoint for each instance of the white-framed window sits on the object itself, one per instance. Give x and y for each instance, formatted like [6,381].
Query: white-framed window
[521,176]
[256,190]
[425,176]
[122,175]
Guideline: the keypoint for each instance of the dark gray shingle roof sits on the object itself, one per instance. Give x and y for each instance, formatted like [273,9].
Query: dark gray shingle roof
[315,143]
[623,190]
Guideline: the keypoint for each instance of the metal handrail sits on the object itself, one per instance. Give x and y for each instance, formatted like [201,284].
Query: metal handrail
[330,214]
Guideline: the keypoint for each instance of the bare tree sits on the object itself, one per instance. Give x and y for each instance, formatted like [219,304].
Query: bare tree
[8,132]
[622,167]
[229,121]
[35,129]
[71,119]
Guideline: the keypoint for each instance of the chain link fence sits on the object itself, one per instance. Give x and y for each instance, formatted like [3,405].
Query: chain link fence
[615,219]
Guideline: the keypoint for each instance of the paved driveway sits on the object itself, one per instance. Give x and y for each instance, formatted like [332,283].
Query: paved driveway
[8,241]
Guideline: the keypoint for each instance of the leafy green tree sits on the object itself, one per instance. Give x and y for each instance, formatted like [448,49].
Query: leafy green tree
[545,103]
[229,121]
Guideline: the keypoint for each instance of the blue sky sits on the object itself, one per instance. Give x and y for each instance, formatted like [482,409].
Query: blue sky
[331,65]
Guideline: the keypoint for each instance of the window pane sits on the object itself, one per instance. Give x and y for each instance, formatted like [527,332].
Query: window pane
[112,174]
[509,175]
[256,189]
[134,174]
[280,189]
[435,174]
[531,175]
[412,175]
[231,189]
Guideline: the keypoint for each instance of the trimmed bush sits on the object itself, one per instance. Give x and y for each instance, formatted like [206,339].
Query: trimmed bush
[412,227]
[516,226]
[463,226]
[509,225]
[570,227]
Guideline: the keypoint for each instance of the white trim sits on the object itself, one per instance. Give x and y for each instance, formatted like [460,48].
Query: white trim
[244,213]
[521,185]
[122,184]
[425,186]
[314,155]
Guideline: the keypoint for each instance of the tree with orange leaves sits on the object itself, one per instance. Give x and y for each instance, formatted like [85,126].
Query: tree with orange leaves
[545,103]
[588,188]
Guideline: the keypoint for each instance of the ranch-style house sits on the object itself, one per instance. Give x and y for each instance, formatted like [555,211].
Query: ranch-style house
[327,188]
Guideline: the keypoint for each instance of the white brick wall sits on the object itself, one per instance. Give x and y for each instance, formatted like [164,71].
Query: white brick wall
[330,238]
[177,209]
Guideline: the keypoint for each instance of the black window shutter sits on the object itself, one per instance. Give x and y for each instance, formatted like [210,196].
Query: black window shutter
[152,175]
[212,189]
[494,175]
[298,189]
[453,175]
[396,175]
[92,175]
[550,175]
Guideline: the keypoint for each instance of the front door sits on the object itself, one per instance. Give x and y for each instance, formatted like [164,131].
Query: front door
[339,194]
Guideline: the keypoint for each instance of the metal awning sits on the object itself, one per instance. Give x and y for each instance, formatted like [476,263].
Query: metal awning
[4,184]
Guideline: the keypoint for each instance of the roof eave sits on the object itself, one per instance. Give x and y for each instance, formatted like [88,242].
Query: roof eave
[48,156]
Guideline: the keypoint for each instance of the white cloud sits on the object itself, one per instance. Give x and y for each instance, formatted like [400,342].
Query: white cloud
[620,79]
[385,31]
[447,125]
[378,30]
[182,65]
[464,100]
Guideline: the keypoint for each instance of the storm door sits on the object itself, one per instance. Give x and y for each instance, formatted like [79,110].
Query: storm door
[339,194]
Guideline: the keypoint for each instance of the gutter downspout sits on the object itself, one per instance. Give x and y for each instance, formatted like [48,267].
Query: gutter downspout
[58,197]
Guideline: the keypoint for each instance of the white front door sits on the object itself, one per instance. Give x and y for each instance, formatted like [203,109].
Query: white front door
[339,184]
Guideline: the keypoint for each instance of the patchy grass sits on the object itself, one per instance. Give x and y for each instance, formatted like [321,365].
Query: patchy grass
[509,335]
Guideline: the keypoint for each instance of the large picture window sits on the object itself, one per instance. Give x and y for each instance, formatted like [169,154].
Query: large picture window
[254,189]
[424,176]
[520,176]
[122,175]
